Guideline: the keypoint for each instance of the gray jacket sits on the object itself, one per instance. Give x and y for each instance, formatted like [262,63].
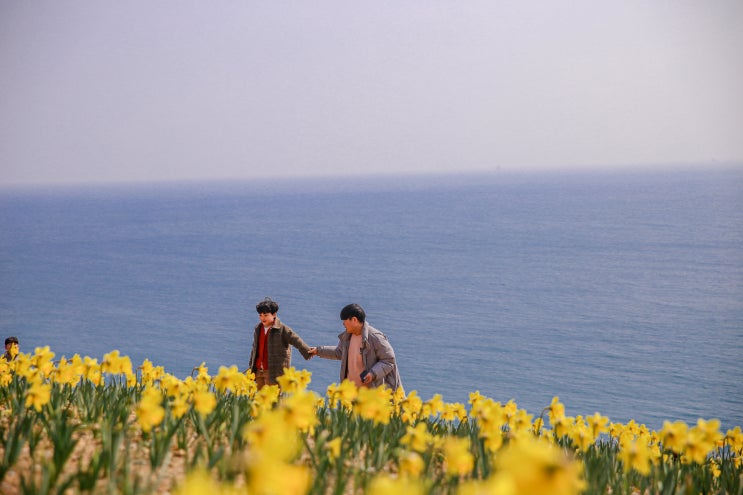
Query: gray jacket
[376,353]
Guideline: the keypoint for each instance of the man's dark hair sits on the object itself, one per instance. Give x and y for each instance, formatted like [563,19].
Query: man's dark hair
[267,305]
[353,310]
[11,340]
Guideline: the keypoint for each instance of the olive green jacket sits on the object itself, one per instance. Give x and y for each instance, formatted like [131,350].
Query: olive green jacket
[278,341]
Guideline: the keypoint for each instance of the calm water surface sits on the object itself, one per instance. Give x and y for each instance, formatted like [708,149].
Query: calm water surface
[621,294]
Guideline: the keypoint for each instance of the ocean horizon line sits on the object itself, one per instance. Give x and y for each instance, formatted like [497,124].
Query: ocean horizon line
[369,181]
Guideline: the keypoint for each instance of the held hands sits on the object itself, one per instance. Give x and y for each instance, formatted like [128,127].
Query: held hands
[313,352]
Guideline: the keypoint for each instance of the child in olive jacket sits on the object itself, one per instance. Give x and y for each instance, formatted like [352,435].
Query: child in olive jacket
[271,340]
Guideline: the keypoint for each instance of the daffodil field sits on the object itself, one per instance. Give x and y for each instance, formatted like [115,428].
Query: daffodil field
[75,425]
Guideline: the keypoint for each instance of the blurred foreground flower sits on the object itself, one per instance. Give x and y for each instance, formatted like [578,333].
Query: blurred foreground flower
[538,468]
[300,410]
[334,448]
[150,412]
[386,485]
[269,478]
[270,437]
[636,455]
[38,394]
[458,459]
[200,482]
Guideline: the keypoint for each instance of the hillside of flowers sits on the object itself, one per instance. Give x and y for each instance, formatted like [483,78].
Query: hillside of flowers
[80,426]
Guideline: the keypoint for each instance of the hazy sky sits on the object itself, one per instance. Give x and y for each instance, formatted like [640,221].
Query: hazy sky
[98,90]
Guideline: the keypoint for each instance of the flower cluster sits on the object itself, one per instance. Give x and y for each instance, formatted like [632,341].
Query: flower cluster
[286,439]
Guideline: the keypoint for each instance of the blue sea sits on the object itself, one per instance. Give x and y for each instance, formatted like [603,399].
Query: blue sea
[619,292]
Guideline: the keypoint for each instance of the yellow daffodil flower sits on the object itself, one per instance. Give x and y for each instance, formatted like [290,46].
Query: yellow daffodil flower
[374,404]
[598,424]
[475,398]
[555,411]
[636,455]
[38,394]
[490,414]
[539,468]
[345,394]
[398,396]
[417,437]
[582,437]
[299,410]
[410,407]
[265,399]
[563,426]
[67,373]
[492,438]
[271,439]
[734,438]
[673,436]
[6,375]
[116,364]
[202,377]
[458,459]
[150,412]
[386,485]
[511,408]
[43,360]
[150,373]
[499,484]
[179,405]
[227,379]
[203,401]
[411,464]
[454,411]
[293,380]
[709,431]
[334,448]
[433,406]
[91,370]
[267,477]
[198,482]
[521,420]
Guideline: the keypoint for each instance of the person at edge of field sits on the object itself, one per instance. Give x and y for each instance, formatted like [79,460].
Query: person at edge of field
[11,348]
[271,340]
[366,356]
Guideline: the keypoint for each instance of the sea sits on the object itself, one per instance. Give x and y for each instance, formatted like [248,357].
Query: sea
[620,292]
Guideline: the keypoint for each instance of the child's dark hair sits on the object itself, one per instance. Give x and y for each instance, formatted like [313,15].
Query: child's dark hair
[267,305]
[353,310]
[11,340]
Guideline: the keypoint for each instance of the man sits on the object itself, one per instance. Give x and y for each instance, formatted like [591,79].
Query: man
[366,356]
[11,348]
[271,340]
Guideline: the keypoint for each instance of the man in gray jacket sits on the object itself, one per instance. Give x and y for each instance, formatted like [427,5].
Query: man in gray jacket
[366,356]
[271,340]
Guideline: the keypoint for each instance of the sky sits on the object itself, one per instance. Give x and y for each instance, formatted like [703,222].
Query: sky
[95,91]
